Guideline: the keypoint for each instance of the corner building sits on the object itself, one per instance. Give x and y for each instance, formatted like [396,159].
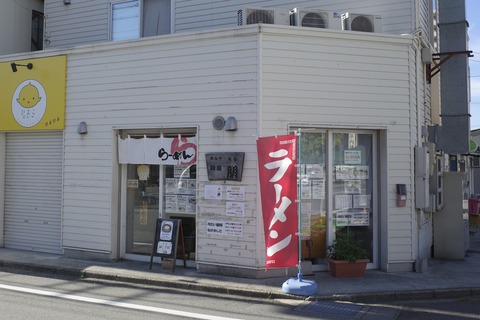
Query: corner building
[200,81]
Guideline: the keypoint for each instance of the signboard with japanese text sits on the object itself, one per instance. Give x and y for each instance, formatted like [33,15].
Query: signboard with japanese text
[278,187]
[33,94]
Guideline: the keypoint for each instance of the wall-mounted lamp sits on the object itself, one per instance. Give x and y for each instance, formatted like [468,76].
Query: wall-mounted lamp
[67,2]
[14,66]
[231,124]
[82,128]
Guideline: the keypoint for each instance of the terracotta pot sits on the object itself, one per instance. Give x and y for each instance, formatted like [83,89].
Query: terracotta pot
[345,269]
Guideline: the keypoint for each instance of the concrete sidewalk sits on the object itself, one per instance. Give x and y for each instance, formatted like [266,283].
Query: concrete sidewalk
[443,279]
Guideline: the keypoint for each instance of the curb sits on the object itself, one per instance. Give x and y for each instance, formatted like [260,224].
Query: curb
[367,297]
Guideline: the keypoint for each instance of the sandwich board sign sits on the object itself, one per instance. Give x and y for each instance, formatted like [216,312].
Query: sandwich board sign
[168,237]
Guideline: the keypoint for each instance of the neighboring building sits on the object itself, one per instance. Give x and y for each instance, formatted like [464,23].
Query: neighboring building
[21,26]
[79,181]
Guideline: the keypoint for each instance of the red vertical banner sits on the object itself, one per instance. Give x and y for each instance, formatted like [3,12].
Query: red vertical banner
[278,186]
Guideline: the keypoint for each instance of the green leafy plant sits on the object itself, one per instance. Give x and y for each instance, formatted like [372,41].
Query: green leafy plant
[346,248]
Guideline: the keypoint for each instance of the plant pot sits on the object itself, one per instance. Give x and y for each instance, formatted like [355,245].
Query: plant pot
[346,269]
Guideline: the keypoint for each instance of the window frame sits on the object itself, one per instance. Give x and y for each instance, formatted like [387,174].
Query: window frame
[112,24]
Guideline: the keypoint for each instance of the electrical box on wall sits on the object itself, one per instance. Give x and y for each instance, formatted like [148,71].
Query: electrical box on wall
[401,195]
[436,179]
[422,178]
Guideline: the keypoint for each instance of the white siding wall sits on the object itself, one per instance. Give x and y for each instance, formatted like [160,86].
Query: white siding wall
[86,21]
[83,21]
[175,82]
[348,81]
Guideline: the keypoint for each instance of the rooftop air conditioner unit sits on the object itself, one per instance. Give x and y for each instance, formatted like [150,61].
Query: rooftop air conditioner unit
[267,16]
[315,18]
[361,22]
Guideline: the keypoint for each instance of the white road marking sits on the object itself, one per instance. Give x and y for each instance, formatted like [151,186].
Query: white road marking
[114,303]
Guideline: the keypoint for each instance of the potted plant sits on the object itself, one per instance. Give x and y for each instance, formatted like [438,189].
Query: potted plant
[347,257]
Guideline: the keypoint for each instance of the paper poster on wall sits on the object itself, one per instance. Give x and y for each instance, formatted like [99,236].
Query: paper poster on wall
[360,218]
[132,183]
[306,189]
[341,219]
[361,201]
[235,193]
[351,172]
[352,156]
[343,201]
[181,171]
[170,203]
[306,218]
[353,186]
[315,171]
[180,203]
[235,208]
[143,213]
[213,192]
[318,189]
[352,218]
[226,228]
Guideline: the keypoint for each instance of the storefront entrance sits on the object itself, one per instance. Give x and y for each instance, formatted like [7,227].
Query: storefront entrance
[338,190]
[151,191]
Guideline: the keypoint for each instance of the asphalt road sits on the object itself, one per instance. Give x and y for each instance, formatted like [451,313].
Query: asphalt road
[44,296]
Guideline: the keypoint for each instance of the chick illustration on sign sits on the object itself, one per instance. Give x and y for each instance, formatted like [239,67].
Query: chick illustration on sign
[29,103]
[29,97]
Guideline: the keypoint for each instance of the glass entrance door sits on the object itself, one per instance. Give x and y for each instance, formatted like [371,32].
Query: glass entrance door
[353,188]
[337,176]
[142,207]
[150,191]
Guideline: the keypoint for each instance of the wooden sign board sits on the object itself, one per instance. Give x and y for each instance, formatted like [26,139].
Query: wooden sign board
[168,239]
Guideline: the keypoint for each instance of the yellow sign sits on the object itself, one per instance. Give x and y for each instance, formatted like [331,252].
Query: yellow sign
[32,97]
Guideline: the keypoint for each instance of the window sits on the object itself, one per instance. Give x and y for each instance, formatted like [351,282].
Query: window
[37,31]
[125,17]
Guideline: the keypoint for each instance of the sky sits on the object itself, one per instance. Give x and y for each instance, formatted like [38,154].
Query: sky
[473,18]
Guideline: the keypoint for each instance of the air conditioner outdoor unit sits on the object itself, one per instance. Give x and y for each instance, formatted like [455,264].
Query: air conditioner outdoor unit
[267,16]
[362,22]
[315,18]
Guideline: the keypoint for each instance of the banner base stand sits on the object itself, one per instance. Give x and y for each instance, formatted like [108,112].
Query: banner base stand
[299,286]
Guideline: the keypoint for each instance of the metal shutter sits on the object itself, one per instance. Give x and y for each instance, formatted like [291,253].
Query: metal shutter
[33,191]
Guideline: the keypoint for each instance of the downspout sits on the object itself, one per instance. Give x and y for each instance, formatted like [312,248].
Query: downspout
[259,225]
[418,42]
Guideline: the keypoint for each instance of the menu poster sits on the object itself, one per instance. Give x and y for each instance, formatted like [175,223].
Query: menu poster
[235,209]
[353,186]
[235,193]
[180,203]
[226,228]
[351,172]
[353,218]
[180,186]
